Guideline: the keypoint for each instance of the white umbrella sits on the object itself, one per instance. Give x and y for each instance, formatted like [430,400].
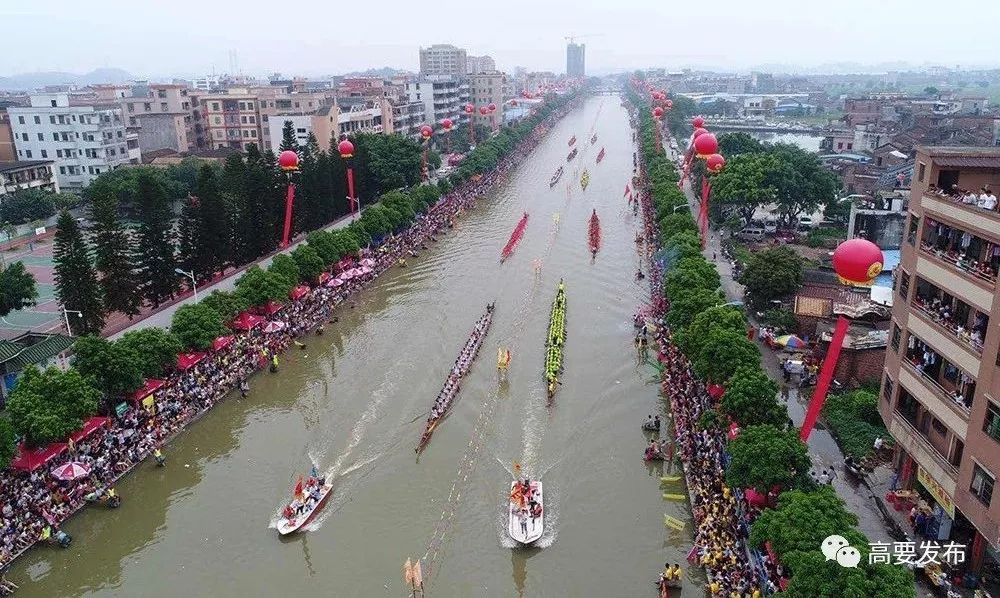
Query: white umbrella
[336,282]
[274,326]
[73,470]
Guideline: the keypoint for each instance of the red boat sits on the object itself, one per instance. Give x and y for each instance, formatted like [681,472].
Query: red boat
[572,140]
[515,237]
[594,234]
[600,155]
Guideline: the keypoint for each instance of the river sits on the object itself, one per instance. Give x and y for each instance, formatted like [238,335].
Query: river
[354,402]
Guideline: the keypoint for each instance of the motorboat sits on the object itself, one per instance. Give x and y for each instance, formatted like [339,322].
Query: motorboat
[290,525]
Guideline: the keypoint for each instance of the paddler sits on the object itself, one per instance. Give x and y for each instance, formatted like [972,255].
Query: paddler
[158,456]
[274,363]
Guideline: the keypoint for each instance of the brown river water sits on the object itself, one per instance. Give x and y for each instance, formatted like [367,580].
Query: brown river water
[355,401]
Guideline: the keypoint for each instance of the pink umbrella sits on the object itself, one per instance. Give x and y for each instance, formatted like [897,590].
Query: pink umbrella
[336,282]
[274,326]
[367,262]
[73,470]
[347,274]
[366,270]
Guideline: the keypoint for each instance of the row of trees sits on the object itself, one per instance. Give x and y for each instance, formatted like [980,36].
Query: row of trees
[713,335]
[28,205]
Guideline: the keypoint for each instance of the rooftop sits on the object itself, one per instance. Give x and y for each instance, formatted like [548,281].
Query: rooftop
[22,164]
[30,349]
[935,151]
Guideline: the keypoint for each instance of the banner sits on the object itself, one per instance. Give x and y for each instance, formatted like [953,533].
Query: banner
[937,491]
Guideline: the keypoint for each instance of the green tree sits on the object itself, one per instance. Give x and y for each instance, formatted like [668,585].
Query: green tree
[802,520]
[113,369]
[745,184]
[226,304]
[155,350]
[736,143]
[771,274]
[26,205]
[813,575]
[8,443]
[17,288]
[692,273]
[800,181]
[123,184]
[114,258]
[286,269]
[189,256]
[214,236]
[692,338]
[155,243]
[75,280]
[324,245]
[309,262]
[724,352]
[751,399]
[786,465]
[257,287]
[49,405]
[930,90]
[678,222]
[196,325]
[687,304]
[288,139]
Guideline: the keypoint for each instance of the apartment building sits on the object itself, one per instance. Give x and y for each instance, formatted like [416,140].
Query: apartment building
[941,388]
[8,153]
[274,100]
[479,64]
[407,118]
[486,89]
[348,116]
[27,174]
[164,116]
[443,59]
[83,140]
[442,97]
[575,60]
[230,120]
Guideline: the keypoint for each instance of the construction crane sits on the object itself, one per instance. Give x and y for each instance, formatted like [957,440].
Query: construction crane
[571,38]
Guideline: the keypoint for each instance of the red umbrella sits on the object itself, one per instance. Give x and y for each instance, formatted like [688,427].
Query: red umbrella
[73,470]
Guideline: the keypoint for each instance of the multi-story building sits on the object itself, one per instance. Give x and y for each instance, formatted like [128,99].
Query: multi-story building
[443,59]
[83,140]
[442,96]
[407,118]
[8,153]
[274,100]
[165,116]
[575,60]
[209,83]
[486,89]
[231,120]
[940,394]
[480,64]
[28,174]
[348,116]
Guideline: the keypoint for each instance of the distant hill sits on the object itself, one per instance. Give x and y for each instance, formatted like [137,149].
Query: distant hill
[31,81]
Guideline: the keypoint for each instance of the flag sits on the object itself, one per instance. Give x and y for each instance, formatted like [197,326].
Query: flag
[692,555]
[628,190]
[298,487]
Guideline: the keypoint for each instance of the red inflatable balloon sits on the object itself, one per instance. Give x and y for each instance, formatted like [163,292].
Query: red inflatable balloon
[657,112]
[469,108]
[446,123]
[697,122]
[426,131]
[706,144]
[699,132]
[492,106]
[346,149]
[484,110]
[288,160]
[857,262]
[715,163]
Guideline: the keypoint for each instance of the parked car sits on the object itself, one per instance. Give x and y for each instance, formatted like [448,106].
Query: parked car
[751,233]
[805,223]
[770,225]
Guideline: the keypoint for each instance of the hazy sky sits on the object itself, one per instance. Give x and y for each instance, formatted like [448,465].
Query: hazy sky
[319,37]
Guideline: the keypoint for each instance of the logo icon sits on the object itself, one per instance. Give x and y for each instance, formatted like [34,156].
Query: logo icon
[836,548]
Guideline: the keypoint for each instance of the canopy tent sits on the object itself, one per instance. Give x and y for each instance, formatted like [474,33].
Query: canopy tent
[271,307]
[323,277]
[222,342]
[30,460]
[148,387]
[298,292]
[716,390]
[334,282]
[245,321]
[186,361]
[367,263]
[88,428]
[275,326]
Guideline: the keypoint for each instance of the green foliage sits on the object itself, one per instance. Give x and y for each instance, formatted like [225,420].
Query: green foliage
[27,205]
[155,350]
[226,304]
[286,269]
[709,420]
[325,246]
[814,576]
[8,442]
[124,183]
[686,304]
[819,237]
[155,239]
[745,184]
[771,274]
[678,222]
[113,258]
[782,319]
[112,368]
[17,288]
[692,273]
[736,143]
[196,325]
[751,399]
[786,464]
[723,353]
[288,139]
[75,279]
[309,262]
[692,338]
[213,250]
[256,287]
[51,404]
[854,419]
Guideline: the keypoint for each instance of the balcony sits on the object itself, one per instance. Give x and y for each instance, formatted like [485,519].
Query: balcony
[921,449]
[943,383]
[951,316]
[960,211]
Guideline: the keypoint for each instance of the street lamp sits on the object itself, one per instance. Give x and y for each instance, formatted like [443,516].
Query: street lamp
[681,206]
[66,313]
[194,283]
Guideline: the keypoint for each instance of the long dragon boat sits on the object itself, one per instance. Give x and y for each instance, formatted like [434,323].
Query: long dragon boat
[594,233]
[600,155]
[556,176]
[571,155]
[584,179]
[515,238]
[572,140]
[555,340]
[452,384]
[593,139]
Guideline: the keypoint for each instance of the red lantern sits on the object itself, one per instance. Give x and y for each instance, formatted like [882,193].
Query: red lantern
[698,122]
[446,124]
[715,163]
[857,262]
[469,108]
[699,132]
[492,106]
[513,102]
[657,112]
[706,145]
[288,160]
[346,149]
[484,110]
[426,131]
[669,103]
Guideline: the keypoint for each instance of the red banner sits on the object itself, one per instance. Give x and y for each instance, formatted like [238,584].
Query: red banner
[825,376]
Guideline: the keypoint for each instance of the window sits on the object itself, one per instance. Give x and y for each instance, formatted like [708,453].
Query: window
[62,170]
[131,121]
[53,102]
[911,236]
[246,134]
[253,134]
[59,153]
[896,334]
[303,131]
[982,484]
[38,120]
[243,119]
[215,105]
[52,120]
[249,105]
[991,425]
[147,107]
[55,137]
[27,153]
[888,388]
[118,134]
[161,93]
[163,106]
[41,137]
[253,119]
[45,154]
[938,426]
[20,119]
[921,171]
[850,145]
[131,107]
[62,119]
[904,285]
